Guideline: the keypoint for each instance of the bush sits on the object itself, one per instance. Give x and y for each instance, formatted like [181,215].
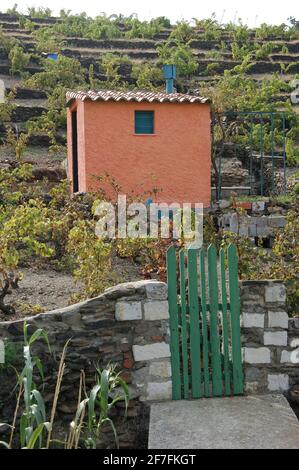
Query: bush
[183,32]
[180,55]
[146,75]
[19,60]
[144,29]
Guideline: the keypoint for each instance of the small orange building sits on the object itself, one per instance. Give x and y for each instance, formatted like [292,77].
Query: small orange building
[135,136]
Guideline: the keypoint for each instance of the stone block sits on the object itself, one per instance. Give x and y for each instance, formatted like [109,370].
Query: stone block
[275,293]
[161,369]
[252,232]
[290,357]
[254,374]
[257,355]
[278,382]
[159,391]
[294,343]
[152,351]
[156,310]
[258,206]
[253,320]
[224,203]
[251,387]
[276,221]
[156,290]
[275,338]
[262,230]
[125,311]
[278,319]
[243,230]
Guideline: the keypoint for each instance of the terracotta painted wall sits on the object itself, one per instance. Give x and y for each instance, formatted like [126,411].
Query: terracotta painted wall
[176,158]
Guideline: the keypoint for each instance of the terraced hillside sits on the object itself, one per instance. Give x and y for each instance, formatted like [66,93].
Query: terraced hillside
[241,69]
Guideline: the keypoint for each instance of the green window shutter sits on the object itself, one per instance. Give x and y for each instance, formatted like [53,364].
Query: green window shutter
[144,122]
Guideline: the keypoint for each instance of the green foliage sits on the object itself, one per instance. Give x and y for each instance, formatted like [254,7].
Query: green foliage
[19,60]
[110,65]
[109,389]
[27,24]
[7,43]
[48,124]
[146,75]
[211,69]
[91,257]
[48,40]
[143,29]
[33,419]
[263,51]
[40,12]
[214,54]
[100,27]
[6,109]
[17,142]
[239,92]
[56,78]
[66,73]
[179,54]
[93,412]
[240,52]
[12,352]
[183,32]
[210,26]
[266,31]
[13,11]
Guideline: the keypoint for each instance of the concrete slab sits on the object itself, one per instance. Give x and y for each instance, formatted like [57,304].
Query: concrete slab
[252,422]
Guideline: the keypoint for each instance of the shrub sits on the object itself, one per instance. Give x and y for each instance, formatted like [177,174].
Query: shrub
[144,29]
[183,32]
[110,65]
[180,55]
[146,75]
[19,60]
[91,258]
[47,39]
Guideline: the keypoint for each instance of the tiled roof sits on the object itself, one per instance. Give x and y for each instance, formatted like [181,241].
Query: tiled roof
[139,96]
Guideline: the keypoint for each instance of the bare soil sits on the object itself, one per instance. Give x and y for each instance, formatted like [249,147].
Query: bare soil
[44,288]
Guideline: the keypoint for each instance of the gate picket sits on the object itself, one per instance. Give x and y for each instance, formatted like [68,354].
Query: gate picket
[224,324]
[235,319]
[194,324]
[173,323]
[214,323]
[204,324]
[184,336]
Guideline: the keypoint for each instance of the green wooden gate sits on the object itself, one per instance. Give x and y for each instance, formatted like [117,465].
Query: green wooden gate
[205,338]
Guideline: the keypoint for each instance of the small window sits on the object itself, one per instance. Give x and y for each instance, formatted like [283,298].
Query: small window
[144,122]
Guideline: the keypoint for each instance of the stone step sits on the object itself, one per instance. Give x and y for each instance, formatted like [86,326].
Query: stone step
[227,190]
[251,422]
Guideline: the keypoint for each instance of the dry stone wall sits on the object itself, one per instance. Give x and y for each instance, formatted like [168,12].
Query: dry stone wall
[128,326]
[270,338]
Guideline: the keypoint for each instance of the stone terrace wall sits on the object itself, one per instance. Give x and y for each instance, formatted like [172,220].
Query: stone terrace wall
[270,338]
[127,326]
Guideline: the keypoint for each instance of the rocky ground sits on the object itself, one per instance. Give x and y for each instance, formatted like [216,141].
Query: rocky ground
[44,288]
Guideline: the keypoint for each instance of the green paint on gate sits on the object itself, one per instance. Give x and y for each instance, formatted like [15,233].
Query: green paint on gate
[204,309]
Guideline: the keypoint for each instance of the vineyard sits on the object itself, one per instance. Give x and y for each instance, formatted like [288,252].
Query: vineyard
[41,57]
[96,329]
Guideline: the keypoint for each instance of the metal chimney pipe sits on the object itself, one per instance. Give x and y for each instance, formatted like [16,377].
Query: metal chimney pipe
[169,72]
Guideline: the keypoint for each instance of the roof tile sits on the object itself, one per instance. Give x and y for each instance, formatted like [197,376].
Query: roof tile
[139,96]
